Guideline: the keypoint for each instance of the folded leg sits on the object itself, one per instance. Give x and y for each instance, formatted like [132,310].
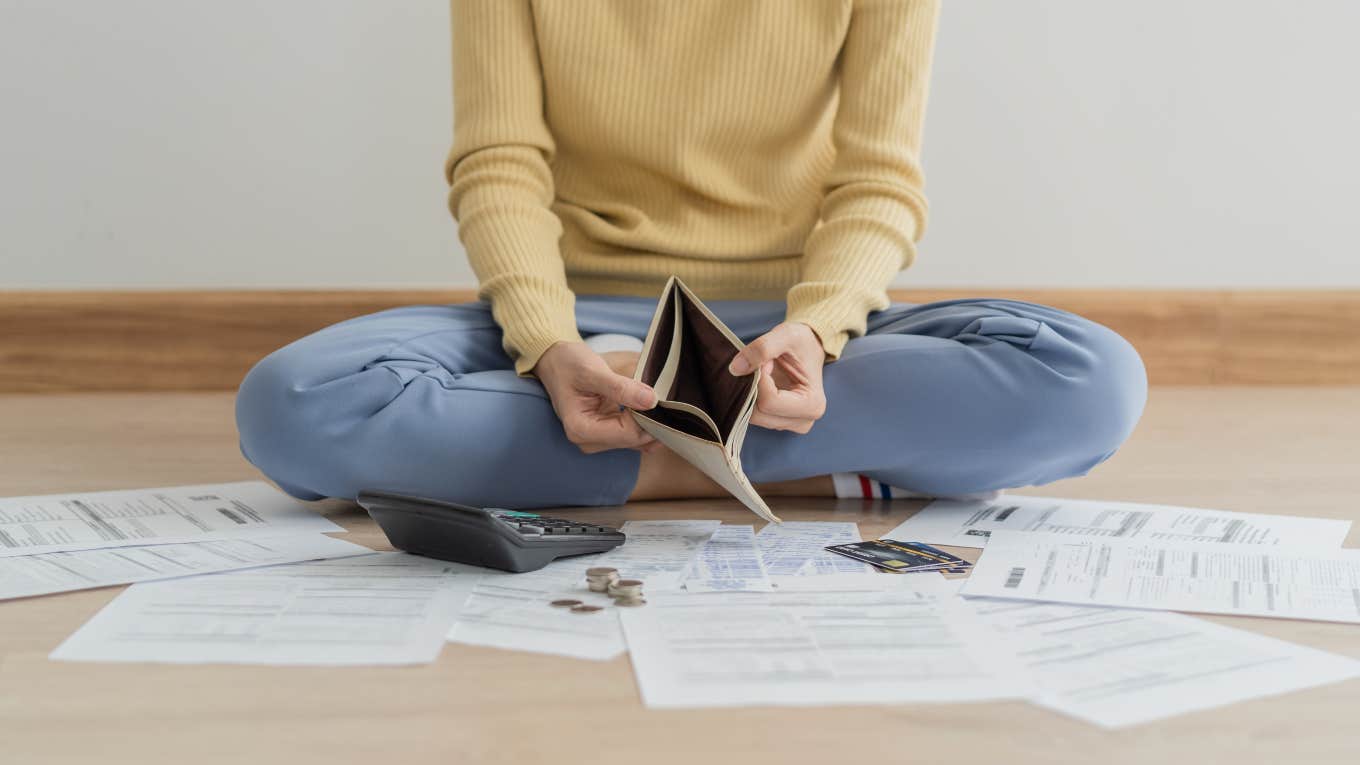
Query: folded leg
[966,396]
[422,400]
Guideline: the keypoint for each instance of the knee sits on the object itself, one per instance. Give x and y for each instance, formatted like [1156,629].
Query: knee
[1101,399]
[274,424]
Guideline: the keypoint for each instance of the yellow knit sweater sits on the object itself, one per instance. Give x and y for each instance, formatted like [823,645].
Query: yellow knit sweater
[757,149]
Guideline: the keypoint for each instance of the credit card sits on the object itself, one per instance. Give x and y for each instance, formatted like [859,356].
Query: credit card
[891,555]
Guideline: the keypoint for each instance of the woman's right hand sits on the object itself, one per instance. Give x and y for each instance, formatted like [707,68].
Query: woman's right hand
[587,394]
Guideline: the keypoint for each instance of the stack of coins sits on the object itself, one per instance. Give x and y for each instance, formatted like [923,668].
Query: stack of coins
[600,578]
[627,592]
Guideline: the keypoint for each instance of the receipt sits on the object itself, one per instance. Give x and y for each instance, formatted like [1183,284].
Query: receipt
[730,562]
[797,548]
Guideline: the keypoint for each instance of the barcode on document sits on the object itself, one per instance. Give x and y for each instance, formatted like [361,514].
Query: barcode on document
[1013,580]
[233,516]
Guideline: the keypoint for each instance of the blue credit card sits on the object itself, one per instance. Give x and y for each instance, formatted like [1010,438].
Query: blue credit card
[892,555]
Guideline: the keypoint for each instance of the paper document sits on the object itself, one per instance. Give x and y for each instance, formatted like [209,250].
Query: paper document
[1247,580]
[1119,667]
[61,522]
[512,611]
[816,648]
[968,524]
[28,575]
[870,580]
[797,548]
[384,608]
[729,562]
[661,553]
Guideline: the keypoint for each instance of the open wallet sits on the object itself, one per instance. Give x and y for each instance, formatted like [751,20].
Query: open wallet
[702,410]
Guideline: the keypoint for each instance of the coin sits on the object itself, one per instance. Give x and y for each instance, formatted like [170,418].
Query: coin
[601,571]
[585,609]
[630,602]
[565,603]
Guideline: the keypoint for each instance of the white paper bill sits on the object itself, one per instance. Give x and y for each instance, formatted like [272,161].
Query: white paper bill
[1246,580]
[869,580]
[384,608]
[797,548]
[816,648]
[729,562]
[968,524]
[1120,667]
[87,521]
[512,611]
[661,553]
[29,575]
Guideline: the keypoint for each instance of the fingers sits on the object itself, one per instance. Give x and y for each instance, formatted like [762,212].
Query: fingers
[765,348]
[603,381]
[592,432]
[802,402]
[771,422]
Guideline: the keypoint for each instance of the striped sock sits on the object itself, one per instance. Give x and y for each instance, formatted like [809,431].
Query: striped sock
[854,485]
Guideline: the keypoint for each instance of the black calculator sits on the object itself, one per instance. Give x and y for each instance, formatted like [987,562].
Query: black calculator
[509,540]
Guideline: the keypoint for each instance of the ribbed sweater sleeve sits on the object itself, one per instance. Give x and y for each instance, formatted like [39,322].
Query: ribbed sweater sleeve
[500,185]
[873,210]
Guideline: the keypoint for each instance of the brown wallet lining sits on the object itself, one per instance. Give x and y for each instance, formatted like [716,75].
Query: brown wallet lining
[701,376]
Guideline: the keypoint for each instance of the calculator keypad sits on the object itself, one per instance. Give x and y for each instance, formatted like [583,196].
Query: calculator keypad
[529,524]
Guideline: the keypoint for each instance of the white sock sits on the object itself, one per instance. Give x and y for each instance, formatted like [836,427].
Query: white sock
[612,342]
[857,486]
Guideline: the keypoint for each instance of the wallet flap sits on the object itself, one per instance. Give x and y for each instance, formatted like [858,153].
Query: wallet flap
[713,459]
[660,351]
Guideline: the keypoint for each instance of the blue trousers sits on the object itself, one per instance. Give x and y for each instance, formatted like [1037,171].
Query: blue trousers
[944,398]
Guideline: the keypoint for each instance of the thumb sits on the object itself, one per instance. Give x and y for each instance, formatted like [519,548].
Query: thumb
[621,390]
[762,350]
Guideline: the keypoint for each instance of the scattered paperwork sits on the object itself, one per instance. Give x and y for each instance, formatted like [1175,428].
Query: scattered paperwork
[87,521]
[1246,580]
[384,608]
[46,573]
[1066,606]
[797,548]
[661,552]
[1120,667]
[969,524]
[729,562]
[911,643]
[510,611]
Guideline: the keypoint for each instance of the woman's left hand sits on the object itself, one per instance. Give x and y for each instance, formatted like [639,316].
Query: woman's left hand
[790,395]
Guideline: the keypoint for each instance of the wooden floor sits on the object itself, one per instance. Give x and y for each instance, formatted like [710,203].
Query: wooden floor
[1292,451]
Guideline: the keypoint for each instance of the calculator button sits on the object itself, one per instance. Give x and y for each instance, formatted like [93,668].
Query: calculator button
[525,528]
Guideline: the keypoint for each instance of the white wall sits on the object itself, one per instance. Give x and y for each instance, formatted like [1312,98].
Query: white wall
[298,143]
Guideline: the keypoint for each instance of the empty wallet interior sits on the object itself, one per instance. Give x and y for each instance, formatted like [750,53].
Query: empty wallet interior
[701,353]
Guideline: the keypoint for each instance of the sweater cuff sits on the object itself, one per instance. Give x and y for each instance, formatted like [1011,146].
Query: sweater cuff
[833,312]
[533,314]
[836,311]
[534,346]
